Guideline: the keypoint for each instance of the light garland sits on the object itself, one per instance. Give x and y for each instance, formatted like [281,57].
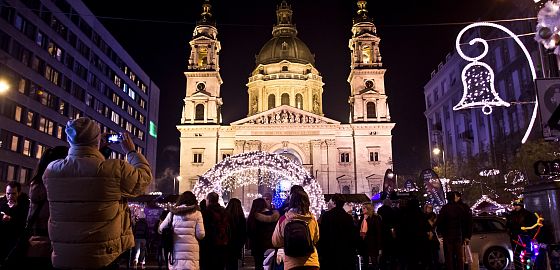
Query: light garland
[259,168]
[479,77]
[487,199]
[490,172]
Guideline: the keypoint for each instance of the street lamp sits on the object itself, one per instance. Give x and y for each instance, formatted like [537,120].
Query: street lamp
[4,87]
[436,152]
[176,185]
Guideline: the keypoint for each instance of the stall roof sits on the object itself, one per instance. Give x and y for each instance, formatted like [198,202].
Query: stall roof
[353,198]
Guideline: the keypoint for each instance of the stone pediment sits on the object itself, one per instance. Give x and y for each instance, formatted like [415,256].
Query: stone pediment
[369,91]
[285,115]
[202,93]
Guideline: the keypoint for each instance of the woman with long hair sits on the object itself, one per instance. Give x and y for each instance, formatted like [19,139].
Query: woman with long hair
[238,226]
[188,228]
[298,210]
[38,217]
[370,236]
[260,227]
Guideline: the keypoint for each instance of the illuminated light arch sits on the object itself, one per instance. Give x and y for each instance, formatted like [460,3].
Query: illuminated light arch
[487,109]
[257,168]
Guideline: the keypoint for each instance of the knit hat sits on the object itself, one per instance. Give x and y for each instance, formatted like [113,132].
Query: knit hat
[518,202]
[82,132]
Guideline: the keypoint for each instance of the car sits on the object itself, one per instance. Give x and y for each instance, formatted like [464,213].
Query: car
[490,241]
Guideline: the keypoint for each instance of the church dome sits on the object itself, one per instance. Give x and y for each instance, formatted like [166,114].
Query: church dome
[284,44]
[288,48]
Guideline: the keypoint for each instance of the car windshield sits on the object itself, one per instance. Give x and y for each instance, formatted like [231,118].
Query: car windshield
[485,225]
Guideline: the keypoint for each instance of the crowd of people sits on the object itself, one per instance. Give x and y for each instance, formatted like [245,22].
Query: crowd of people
[76,217]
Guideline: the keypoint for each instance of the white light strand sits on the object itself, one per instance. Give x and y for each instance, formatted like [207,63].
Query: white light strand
[486,105]
[259,168]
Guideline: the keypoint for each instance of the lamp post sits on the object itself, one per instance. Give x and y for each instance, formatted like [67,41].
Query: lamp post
[436,152]
[176,185]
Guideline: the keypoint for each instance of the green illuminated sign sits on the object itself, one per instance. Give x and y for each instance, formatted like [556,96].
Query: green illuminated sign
[153,129]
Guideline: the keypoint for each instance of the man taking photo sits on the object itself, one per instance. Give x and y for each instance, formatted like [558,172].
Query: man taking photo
[90,223]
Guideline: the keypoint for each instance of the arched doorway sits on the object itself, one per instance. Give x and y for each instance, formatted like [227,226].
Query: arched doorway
[242,174]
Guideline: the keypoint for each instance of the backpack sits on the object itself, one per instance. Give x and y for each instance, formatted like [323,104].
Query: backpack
[297,239]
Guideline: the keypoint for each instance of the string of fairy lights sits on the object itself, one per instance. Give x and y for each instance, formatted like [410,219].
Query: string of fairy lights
[260,168]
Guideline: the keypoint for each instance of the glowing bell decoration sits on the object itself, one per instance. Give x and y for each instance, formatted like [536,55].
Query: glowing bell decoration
[478,88]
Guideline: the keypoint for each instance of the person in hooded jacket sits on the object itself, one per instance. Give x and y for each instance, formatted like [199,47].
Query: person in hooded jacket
[298,209]
[260,227]
[188,229]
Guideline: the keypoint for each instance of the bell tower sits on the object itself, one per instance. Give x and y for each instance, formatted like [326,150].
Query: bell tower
[202,99]
[368,102]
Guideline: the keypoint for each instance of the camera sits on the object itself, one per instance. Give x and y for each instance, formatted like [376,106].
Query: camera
[113,138]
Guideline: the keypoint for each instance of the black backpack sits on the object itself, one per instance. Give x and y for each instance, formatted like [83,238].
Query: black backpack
[297,239]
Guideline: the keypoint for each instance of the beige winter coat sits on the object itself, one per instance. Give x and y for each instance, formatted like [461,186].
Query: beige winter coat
[90,223]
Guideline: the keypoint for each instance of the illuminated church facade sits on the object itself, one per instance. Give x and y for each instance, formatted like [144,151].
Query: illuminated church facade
[285,109]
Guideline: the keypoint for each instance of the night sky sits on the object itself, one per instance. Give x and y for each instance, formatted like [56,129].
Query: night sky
[415,37]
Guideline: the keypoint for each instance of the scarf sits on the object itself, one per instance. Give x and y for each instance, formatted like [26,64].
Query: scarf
[364,227]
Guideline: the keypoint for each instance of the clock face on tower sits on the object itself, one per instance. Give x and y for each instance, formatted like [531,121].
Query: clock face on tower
[200,86]
[369,84]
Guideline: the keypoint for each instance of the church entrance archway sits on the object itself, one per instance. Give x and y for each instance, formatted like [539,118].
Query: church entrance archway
[241,175]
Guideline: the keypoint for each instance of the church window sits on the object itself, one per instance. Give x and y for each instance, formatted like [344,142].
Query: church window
[202,57]
[344,157]
[285,68]
[285,99]
[197,158]
[199,112]
[370,107]
[373,156]
[366,55]
[271,101]
[299,101]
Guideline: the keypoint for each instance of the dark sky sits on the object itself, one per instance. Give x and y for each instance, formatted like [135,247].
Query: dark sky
[415,37]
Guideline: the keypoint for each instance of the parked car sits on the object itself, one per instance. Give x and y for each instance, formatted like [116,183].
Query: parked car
[490,241]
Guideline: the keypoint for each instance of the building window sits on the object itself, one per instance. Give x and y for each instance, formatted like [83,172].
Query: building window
[23,175]
[197,158]
[285,68]
[11,173]
[29,120]
[345,189]
[17,113]
[271,101]
[370,107]
[299,101]
[15,143]
[26,147]
[224,156]
[199,112]
[373,156]
[40,149]
[285,99]
[366,55]
[344,157]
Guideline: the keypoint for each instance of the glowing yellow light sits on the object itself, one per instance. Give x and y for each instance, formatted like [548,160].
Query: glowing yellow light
[4,87]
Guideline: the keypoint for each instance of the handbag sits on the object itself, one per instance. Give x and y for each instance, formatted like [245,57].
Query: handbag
[167,241]
[467,255]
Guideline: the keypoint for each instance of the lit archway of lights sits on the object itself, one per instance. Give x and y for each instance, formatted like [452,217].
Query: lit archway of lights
[487,108]
[259,168]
